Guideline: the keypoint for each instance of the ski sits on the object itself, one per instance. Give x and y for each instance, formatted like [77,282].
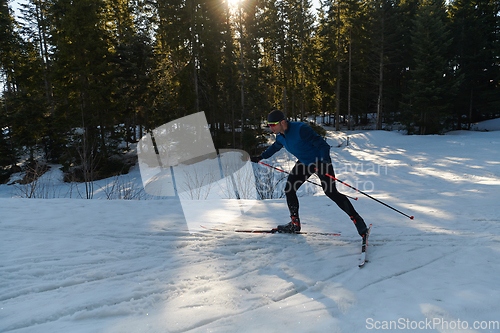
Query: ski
[274,231]
[364,244]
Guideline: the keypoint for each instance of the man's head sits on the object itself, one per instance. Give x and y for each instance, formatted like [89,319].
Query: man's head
[276,121]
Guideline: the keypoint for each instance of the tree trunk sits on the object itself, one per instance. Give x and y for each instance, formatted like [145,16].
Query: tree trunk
[380,78]
[349,84]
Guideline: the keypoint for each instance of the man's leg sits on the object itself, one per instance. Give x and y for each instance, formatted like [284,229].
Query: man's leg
[341,200]
[297,177]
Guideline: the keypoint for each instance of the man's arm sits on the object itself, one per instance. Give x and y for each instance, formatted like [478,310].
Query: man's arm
[274,148]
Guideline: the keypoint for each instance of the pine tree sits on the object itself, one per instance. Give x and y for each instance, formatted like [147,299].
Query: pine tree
[248,30]
[273,34]
[301,23]
[329,33]
[358,87]
[342,32]
[427,101]
[134,58]
[85,68]
[8,45]
[25,104]
[474,25]
[176,61]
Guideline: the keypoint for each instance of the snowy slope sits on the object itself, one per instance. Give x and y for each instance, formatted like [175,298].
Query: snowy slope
[487,125]
[69,265]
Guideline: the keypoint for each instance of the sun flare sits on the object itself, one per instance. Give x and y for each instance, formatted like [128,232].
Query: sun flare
[233,4]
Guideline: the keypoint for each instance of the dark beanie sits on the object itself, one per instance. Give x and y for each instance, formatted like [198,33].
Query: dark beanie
[275,116]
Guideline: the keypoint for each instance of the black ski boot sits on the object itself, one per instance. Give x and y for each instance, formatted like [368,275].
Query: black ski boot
[290,228]
[360,225]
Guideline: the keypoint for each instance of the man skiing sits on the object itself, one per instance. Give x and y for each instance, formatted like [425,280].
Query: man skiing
[313,154]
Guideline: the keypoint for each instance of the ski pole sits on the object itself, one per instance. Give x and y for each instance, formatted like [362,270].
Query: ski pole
[307,180]
[369,196]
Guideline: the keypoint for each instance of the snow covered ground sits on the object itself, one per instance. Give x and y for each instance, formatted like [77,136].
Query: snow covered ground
[73,265]
[487,125]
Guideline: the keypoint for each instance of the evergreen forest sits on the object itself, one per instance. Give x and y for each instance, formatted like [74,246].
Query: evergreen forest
[81,80]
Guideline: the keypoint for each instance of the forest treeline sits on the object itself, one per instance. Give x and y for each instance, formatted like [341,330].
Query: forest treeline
[79,78]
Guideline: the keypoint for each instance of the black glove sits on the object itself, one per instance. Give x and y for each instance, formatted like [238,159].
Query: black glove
[255,159]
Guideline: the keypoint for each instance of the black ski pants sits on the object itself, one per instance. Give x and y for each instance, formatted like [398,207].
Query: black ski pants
[301,172]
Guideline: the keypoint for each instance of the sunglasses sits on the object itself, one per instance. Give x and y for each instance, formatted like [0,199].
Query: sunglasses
[273,124]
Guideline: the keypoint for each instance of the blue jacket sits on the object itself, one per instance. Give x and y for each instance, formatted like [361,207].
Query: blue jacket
[303,142]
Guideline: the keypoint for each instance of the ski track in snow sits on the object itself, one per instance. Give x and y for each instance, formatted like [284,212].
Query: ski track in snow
[69,265]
